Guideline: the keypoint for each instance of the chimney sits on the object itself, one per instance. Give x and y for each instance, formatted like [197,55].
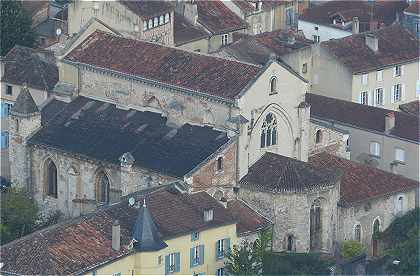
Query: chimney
[389,121]
[355,25]
[116,235]
[372,42]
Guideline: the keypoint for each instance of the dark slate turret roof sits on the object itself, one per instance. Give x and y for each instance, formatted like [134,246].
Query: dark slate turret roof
[145,233]
[25,104]
[276,173]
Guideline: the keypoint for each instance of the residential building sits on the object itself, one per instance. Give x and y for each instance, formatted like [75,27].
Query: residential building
[338,19]
[265,16]
[411,18]
[378,68]
[386,139]
[22,66]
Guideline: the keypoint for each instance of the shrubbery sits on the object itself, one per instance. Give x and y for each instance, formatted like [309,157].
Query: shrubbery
[351,249]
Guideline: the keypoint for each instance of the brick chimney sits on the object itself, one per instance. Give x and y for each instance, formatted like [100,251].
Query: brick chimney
[372,42]
[116,235]
[389,121]
[355,25]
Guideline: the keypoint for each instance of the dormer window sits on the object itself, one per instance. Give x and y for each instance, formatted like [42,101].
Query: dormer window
[150,23]
[161,20]
[208,215]
[155,22]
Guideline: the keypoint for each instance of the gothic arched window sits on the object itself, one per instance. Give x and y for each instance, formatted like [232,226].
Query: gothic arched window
[318,138]
[376,227]
[269,131]
[102,192]
[51,174]
[273,85]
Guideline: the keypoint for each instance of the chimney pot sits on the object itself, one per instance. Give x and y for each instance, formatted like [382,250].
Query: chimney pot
[389,121]
[116,235]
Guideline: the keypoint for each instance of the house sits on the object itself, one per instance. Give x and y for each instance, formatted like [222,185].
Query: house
[23,66]
[265,16]
[370,199]
[386,139]
[411,18]
[338,19]
[378,68]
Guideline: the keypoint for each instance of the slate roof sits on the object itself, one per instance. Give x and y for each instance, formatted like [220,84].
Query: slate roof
[201,73]
[257,49]
[146,9]
[218,18]
[412,108]
[396,45]
[25,104]
[248,220]
[414,8]
[185,32]
[101,131]
[364,117]
[81,244]
[360,182]
[276,173]
[26,65]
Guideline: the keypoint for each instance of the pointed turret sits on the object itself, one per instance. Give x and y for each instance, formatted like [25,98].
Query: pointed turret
[145,233]
[25,104]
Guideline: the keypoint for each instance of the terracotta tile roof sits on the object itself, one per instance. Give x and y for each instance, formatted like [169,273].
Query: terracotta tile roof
[79,245]
[412,108]
[249,221]
[276,173]
[205,74]
[146,9]
[185,32]
[414,8]
[396,45]
[30,66]
[244,6]
[218,18]
[361,182]
[101,131]
[364,117]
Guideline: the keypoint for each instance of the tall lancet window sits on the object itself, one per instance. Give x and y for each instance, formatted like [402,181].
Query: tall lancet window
[269,131]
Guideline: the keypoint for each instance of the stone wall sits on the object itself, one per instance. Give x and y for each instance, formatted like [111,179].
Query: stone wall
[332,140]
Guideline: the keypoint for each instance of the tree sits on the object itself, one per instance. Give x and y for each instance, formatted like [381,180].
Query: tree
[15,26]
[18,214]
[350,249]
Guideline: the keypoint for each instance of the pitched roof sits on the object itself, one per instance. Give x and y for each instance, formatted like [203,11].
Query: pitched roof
[101,131]
[30,66]
[360,182]
[81,244]
[25,104]
[147,9]
[412,108]
[363,116]
[395,45]
[249,7]
[205,74]
[414,8]
[257,49]
[276,173]
[218,18]
[185,32]
[248,220]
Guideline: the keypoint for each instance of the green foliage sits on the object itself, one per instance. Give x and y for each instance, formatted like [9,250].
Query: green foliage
[402,237]
[351,249]
[15,27]
[18,215]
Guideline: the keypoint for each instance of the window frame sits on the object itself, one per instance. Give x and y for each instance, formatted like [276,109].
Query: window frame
[4,140]
[376,152]
[397,92]
[318,137]
[397,71]
[305,68]
[269,131]
[172,263]
[167,18]
[219,164]
[195,236]
[220,249]
[379,75]
[396,155]
[9,88]
[273,85]
[220,271]
[365,79]
[225,39]
[359,236]
[382,96]
[362,98]
[196,258]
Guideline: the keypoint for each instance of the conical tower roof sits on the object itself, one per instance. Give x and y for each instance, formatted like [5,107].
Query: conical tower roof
[145,232]
[25,104]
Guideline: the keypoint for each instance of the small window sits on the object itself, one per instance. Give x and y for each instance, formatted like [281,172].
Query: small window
[400,204]
[364,79]
[197,255]
[400,155]
[51,175]
[195,236]
[397,71]
[5,109]
[145,26]
[316,28]
[4,140]
[304,68]
[172,262]
[379,75]
[155,22]
[220,163]
[316,38]
[9,90]
[208,215]
[225,39]
[150,23]
[358,233]
[364,98]
[397,94]
[273,85]
[161,20]
[220,249]
[167,18]
[290,243]
[318,136]
[375,149]
[379,97]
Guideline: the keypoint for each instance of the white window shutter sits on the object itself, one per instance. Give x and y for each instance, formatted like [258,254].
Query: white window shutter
[392,94]
[403,92]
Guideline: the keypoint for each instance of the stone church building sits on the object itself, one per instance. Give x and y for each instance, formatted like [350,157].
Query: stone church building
[129,115]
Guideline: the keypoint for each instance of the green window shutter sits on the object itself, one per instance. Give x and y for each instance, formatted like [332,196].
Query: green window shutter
[191,257]
[177,262]
[227,245]
[201,254]
[166,264]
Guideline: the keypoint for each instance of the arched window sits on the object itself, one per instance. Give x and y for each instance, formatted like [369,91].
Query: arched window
[102,192]
[51,174]
[318,136]
[273,85]
[269,131]
[220,163]
[290,243]
[400,203]
[358,233]
[167,18]
[376,227]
